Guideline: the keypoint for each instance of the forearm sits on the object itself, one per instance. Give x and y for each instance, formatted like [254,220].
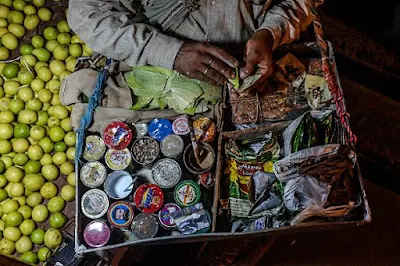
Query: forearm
[287,20]
[109,30]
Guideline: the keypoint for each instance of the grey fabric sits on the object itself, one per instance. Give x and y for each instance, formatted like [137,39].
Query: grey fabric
[140,32]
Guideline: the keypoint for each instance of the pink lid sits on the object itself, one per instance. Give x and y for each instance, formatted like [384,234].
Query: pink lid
[97,234]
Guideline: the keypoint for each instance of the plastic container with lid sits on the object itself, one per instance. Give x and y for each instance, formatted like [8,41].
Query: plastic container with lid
[148,198]
[117,135]
[94,203]
[166,173]
[172,146]
[93,174]
[159,128]
[141,129]
[187,193]
[204,129]
[118,185]
[144,226]
[97,233]
[120,214]
[145,150]
[118,159]
[164,215]
[94,148]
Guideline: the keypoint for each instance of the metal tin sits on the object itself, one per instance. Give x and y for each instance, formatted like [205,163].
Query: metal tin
[117,135]
[180,126]
[187,193]
[145,150]
[190,161]
[144,226]
[160,128]
[118,159]
[141,130]
[148,198]
[207,180]
[204,129]
[120,214]
[94,148]
[94,203]
[172,146]
[97,234]
[166,173]
[93,174]
[164,215]
[118,185]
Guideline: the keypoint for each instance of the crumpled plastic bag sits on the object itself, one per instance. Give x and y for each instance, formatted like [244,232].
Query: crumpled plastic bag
[301,190]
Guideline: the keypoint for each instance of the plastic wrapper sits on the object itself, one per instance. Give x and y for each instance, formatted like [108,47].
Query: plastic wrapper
[312,129]
[191,219]
[320,176]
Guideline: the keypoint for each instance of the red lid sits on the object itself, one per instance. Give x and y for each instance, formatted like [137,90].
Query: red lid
[117,135]
[149,198]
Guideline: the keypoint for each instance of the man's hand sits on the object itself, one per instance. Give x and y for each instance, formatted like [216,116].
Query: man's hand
[258,55]
[205,62]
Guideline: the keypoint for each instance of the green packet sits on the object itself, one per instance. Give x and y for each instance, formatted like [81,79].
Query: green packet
[235,81]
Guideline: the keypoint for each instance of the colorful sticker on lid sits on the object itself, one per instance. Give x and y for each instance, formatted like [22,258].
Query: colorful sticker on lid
[160,128]
[94,148]
[117,135]
[181,126]
[118,159]
[94,203]
[149,198]
[120,214]
[165,215]
[204,129]
[187,193]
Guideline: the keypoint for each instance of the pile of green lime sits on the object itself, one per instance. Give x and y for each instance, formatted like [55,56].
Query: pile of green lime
[37,143]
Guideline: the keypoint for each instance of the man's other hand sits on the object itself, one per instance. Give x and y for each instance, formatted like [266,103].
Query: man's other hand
[258,55]
[205,62]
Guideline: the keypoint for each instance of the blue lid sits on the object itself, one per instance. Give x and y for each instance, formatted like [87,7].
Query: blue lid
[160,128]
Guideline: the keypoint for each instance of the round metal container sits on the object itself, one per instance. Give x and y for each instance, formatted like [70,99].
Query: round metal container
[148,198]
[180,126]
[118,185]
[94,148]
[93,174]
[94,203]
[164,215]
[172,146]
[166,173]
[118,160]
[145,151]
[144,226]
[190,161]
[120,214]
[187,193]
[117,135]
[97,234]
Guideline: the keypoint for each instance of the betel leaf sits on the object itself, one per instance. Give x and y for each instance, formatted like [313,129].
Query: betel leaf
[146,81]
[211,93]
[184,90]
[141,103]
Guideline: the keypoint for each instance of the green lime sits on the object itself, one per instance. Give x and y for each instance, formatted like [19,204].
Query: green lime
[60,146]
[37,236]
[56,204]
[4,53]
[50,33]
[15,16]
[32,167]
[11,70]
[42,55]
[44,253]
[3,179]
[19,5]
[38,3]
[29,10]
[37,41]
[4,10]
[29,257]
[21,131]
[57,220]
[20,159]
[27,227]
[3,194]
[2,168]
[12,233]
[26,48]
[14,219]
[45,14]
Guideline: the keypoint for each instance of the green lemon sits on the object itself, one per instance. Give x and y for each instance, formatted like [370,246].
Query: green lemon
[24,244]
[56,204]
[31,22]
[11,70]
[60,146]
[21,131]
[20,159]
[42,55]
[4,10]
[68,193]
[37,84]
[44,253]
[45,14]
[37,41]
[57,220]
[47,144]
[29,10]
[39,3]
[34,200]
[56,134]
[50,172]
[37,236]
[3,179]
[4,53]
[15,16]
[27,227]
[19,5]
[29,257]
[14,219]
[63,38]
[17,29]
[26,48]
[50,33]
[26,211]
[40,213]
[32,167]
[12,233]
[46,159]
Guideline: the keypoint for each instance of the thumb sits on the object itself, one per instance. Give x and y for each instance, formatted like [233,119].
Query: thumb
[251,63]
